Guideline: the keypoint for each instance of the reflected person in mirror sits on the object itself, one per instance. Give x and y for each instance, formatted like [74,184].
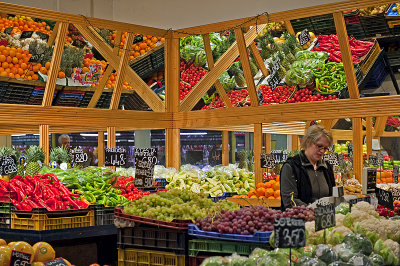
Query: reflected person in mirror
[307,177]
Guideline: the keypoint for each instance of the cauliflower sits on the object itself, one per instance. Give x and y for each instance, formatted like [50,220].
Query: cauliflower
[393,246]
[312,236]
[339,219]
[391,228]
[359,215]
[364,206]
[342,230]
[374,225]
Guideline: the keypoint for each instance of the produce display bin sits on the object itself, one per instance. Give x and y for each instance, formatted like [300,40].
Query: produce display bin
[178,224]
[151,63]
[5,215]
[161,182]
[104,215]
[323,24]
[17,94]
[222,197]
[370,58]
[375,26]
[258,237]
[356,30]
[302,24]
[223,248]
[378,75]
[131,257]
[149,237]
[196,261]
[41,219]
[256,202]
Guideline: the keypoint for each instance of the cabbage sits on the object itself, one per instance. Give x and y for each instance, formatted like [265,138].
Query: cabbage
[267,261]
[334,238]
[325,253]
[236,260]
[306,261]
[258,253]
[340,263]
[373,237]
[307,250]
[342,208]
[348,220]
[360,260]
[387,254]
[343,252]
[358,243]
[377,259]
[214,261]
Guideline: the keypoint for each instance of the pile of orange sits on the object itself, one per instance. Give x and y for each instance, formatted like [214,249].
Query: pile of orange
[268,190]
[384,177]
[14,64]
[140,47]
[21,24]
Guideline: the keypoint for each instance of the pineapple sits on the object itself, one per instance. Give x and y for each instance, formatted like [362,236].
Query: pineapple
[60,155]
[265,50]
[235,71]
[6,151]
[34,155]
[20,167]
[253,66]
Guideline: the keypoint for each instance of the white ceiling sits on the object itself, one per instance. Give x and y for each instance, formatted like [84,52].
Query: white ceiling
[165,14]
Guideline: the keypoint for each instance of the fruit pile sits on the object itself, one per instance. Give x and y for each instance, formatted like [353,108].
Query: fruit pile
[41,191]
[267,190]
[250,220]
[22,23]
[14,64]
[236,97]
[385,176]
[393,122]
[176,204]
[184,89]
[306,95]
[138,48]
[279,95]
[73,35]
[192,74]
[385,212]
[127,187]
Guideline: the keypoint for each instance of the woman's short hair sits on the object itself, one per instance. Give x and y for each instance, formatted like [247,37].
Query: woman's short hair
[313,134]
[61,137]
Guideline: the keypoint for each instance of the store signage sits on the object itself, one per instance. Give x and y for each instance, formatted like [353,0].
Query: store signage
[372,159]
[8,165]
[289,232]
[56,262]
[267,160]
[79,156]
[379,159]
[332,158]
[36,58]
[280,156]
[304,37]
[26,34]
[324,217]
[145,160]
[43,36]
[385,198]
[395,193]
[138,38]
[8,30]
[395,174]
[19,258]
[115,157]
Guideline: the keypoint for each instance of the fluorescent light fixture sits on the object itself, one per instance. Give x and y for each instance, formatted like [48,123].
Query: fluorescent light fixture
[131,140]
[193,133]
[36,134]
[18,135]
[88,134]
[116,134]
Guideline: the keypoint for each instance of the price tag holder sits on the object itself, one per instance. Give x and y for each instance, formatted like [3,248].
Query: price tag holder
[267,160]
[273,80]
[332,158]
[78,156]
[324,216]
[8,165]
[115,157]
[26,34]
[145,160]
[395,174]
[8,30]
[138,38]
[304,37]
[354,201]
[56,262]
[19,258]
[289,232]
[385,198]
[43,36]
[372,159]
[395,193]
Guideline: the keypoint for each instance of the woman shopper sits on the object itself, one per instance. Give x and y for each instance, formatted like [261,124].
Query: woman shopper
[306,177]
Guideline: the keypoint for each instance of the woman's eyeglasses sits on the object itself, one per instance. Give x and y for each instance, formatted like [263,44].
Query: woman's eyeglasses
[321,147]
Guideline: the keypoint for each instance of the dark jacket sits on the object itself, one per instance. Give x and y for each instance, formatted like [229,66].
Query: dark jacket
[304,189]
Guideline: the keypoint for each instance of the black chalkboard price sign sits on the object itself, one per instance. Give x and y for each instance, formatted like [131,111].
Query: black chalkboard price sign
[324,217]
[115,157]
[19,258]
[395,174]
[350,149]
[372,159]
[8,165]
[79,156]
[26,34]
[56,262]
[280,156]
[35,58]
[145,160]
[385,198]
[289,232]
[43,36]
[267,160]
[332,158]
[8,30]
[304,37]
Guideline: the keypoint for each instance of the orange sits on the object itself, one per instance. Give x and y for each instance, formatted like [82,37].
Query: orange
[35,77]
[17,76]
[3,58]
[4,74]
[5,52]
[260,191]
[277,178]
[85,70]
[277,186]
[260,185]
[271,197]
[378,181]
[61,75]
[11,75]
[253,197]
[268,184]
[15,60]
[269,192]
[262,197]
[47,65]
[272,183]
[24,66]
[142,51]
[252,192]
[12,52]
[20,71]
[43,70]
[235,196]
[277,193]
[35,68]
[9,59]
[4,65]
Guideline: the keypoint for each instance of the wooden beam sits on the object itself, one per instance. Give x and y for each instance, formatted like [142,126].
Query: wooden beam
[106,74]
[267,142]
[357,148]
[258,140]
[44,141]
[257,57]
[233,149]
[100,148]
[220,66]
[53,34]
[289,27]
[295,143]
[55,65]
[284,15]
[172,148]
[111,137]
[244,58]
[380,125]
[368,126]
[121,72]
[225,148]
[144,91]
[79,19]
[341,31]
[210,63]
[172,74]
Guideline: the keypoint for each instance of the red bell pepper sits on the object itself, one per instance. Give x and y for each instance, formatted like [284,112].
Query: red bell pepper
[19,192]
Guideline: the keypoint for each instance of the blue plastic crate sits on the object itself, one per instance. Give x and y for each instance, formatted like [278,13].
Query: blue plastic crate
[224,196]
[378,76]
[258,237]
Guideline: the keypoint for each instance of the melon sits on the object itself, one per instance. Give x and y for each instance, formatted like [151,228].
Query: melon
[43,252]
[3,242]
[22,246]
[5,255]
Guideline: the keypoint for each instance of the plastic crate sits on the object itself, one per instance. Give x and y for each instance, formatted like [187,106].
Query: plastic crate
[162,182]
[375,26]
[356,30]
[301,24]
[41,219]
[197,246]
[178,224]
[378,76]
[370,58]
[104,215]
[133,257]
[5,215]
[148,237]
[196,261]
[258,237]
[223,196]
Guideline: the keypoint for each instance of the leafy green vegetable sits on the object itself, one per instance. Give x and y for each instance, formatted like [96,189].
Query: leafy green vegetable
[359,243]
[342,208]
[325,253]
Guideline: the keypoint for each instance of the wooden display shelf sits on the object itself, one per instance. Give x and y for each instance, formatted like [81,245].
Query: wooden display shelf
[256,202]
[151,51]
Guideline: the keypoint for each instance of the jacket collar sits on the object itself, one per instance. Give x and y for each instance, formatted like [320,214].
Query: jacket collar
[305,162]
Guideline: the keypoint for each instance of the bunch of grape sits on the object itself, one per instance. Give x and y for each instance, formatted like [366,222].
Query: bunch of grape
[248,221]
[176,204]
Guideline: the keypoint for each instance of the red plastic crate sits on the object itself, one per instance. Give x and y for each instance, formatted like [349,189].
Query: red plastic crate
[196,261]
[178,224]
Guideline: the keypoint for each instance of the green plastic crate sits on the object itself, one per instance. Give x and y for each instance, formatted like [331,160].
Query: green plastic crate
[197,246]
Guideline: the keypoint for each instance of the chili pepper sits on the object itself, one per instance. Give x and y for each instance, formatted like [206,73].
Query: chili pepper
[17,204]
[26,206]
[74,204]
[52,177]
[19,192]
[43,204]
[24,186]
[31,203]
[64,190]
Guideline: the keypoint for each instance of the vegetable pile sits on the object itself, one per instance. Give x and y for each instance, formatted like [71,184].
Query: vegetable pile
[127,187]
[330,78]
[279,95]
[330,44]
[41,191]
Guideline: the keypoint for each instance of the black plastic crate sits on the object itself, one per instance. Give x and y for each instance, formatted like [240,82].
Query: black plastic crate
[157,59]
[375,26]
[301,24]
[156,238]
[356,30]
[133,101]
[103,215]
[143,68]
[378,76]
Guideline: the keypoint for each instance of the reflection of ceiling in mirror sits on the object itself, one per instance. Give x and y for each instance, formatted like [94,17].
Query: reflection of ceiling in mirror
[175,14]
